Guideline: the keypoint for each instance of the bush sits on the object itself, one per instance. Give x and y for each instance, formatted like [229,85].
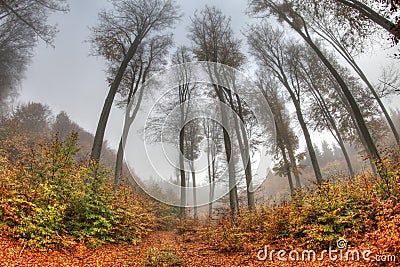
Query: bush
[48,199]
[166,257]
[361,210]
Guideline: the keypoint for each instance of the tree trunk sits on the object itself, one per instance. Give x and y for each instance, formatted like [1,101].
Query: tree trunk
[194,191]
[101,126]
[293,163]
[310,147]
[182,168]
[244,150]
[287,168]
[129,118]
[336,133]
[233,196]
[349,97]
[210,180]
[118,165]
[246,154]
[371,14]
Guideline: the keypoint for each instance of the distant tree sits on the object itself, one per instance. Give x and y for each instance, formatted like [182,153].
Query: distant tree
[327,153]
[63,126]
[22,23]
[33,118]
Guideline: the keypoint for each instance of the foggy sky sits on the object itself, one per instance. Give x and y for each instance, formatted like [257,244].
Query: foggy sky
[67,78]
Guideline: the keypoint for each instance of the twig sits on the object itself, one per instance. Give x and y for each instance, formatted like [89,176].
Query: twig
[60,236]
[22,250]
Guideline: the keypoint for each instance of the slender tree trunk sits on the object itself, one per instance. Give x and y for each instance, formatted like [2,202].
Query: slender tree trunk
[310,147]
[213,173]
[243,141]
[129,118]
[194,191]
[362,139]
[336,133]
[101,126]
[118,165]
[233,196]
[331,38]
[385,112]
[371,14]
[182,168]
[244,151]
[346,92]
[246,154]
[293,164]
[304,128]
[346,156]
[287,169]
[210,197]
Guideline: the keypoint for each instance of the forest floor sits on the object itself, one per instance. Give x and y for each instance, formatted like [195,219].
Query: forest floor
[159,248]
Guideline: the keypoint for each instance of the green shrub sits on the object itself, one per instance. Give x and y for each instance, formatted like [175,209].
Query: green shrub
[47,198]
[165,257]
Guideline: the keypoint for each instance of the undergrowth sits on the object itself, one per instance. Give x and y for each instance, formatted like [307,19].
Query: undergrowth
[48,199]
[365,211]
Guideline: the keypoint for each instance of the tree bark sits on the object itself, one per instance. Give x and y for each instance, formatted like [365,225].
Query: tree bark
[182,167]
[105,113]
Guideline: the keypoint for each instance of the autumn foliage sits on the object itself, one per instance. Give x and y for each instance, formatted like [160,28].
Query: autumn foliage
[48,199]
[364,211]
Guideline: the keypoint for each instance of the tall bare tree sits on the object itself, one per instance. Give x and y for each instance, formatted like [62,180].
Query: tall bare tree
[333,35]
[268,46]
[213,40]
[299,25]
[127,25]
[151,57]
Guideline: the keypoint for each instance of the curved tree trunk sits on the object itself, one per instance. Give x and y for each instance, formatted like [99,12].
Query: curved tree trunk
[345,90]
[371,14]
[293,163]
[105,113]
[331,39]
[310,147]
